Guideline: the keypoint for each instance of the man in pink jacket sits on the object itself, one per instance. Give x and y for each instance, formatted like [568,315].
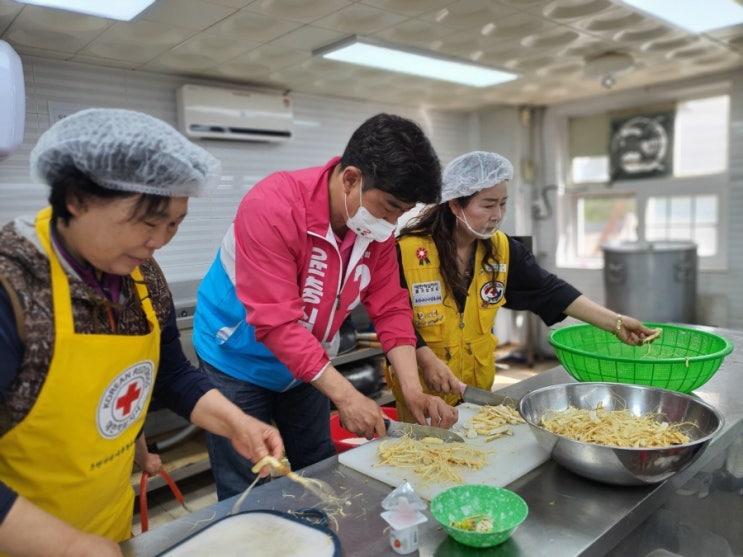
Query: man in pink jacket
[305,248]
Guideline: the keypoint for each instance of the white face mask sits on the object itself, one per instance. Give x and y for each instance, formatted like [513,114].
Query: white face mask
[481,235]
[366,225]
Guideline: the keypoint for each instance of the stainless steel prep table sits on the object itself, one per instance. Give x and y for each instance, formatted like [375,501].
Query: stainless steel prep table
[568,515]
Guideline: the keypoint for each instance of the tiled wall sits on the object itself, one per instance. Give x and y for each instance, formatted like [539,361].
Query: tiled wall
[322,127]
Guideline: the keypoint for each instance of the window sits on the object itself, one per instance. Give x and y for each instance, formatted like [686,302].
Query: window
[680,204]
[586,170]
[605,219]
[692,217]
[701,132]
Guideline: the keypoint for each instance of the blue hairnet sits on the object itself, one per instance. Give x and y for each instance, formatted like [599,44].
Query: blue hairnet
[124,150]
[472,172]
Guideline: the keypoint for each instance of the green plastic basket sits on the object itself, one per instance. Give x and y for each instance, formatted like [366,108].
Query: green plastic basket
[682,359]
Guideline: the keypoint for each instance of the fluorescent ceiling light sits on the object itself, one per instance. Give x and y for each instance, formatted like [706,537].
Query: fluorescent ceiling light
[403,60]
[696,16]
[123,10]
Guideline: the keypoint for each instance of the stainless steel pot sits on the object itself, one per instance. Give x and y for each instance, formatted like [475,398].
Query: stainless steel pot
[652,281]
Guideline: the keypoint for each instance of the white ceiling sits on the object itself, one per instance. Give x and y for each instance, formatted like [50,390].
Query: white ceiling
[269,44]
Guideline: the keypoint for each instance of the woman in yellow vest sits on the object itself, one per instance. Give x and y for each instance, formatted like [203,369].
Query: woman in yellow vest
[459,269]
[88,333]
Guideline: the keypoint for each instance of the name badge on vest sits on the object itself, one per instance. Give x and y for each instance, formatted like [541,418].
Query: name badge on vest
[426,293]
[498,268]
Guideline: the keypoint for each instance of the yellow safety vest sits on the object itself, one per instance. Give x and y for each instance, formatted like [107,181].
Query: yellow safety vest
[72,455]
[465,342]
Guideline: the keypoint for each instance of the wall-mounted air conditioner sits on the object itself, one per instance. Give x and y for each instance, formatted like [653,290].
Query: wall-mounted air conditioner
[233,114]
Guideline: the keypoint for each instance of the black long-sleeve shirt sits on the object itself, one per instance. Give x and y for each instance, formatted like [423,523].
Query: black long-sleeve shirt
[529,287]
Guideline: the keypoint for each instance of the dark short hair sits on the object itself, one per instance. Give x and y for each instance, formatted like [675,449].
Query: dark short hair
[395,156]
[72,181]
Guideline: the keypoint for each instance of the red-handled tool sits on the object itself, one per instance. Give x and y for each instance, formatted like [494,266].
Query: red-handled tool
[143,514]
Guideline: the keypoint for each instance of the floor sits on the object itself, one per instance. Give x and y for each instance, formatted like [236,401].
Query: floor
[198,490]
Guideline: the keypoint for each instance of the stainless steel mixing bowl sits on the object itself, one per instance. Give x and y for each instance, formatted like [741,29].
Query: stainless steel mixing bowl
[615,465]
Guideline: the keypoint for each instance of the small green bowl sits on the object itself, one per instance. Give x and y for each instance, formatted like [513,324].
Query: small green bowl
[505,508]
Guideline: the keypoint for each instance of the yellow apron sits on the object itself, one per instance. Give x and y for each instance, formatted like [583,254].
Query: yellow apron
[465,341]
[72,455]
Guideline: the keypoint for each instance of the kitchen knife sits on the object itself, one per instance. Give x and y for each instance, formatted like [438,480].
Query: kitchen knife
[415,431]
[483,397]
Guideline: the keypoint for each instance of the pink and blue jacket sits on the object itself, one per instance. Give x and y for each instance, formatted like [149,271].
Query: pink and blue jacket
[269,309]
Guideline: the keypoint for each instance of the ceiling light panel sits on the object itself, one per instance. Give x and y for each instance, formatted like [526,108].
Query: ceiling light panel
[363,53]
[696,16]
[123,10]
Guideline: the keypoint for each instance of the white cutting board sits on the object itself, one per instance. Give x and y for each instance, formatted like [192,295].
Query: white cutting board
[508,458]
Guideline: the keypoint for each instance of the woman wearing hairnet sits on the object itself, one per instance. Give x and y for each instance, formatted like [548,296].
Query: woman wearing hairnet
[88,333]
[459,269]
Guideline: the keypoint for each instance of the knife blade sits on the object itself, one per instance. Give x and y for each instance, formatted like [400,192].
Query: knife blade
[415,431]
[483,397]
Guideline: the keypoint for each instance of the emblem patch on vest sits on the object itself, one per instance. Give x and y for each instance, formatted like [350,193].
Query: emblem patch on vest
[422,255]
[123,401]
[425,293]
[492,292]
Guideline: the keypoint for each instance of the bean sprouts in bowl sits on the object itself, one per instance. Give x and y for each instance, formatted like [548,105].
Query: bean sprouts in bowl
[612,460]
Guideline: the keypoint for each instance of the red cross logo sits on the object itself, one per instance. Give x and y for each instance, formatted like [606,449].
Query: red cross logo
[122,402]
[125,402]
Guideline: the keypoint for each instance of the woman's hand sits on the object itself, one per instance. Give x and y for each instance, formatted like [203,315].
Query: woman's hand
[430,408]
[251,437]
[436,374]
[627,329]
[28,530]
[631,331]
[255,439]
[151,463]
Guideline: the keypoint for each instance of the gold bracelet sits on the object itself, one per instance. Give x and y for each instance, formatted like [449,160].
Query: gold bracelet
[619,326]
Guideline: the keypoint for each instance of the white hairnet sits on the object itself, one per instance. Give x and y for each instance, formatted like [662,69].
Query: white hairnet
[124,150]
[472,172]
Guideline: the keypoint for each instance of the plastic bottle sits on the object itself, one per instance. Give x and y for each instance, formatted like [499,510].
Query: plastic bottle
[402,513]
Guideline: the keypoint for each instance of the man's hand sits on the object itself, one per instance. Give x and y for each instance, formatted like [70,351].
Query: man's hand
[362,416]
[358,413]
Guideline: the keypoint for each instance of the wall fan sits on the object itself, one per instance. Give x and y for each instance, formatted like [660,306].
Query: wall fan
[641,146]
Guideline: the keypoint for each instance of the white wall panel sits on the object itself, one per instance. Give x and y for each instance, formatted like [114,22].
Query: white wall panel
[322,128]
[736,132]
